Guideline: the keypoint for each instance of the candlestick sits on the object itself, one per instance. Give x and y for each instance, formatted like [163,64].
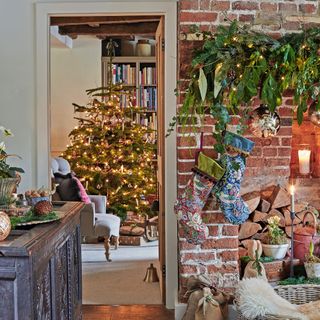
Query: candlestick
[304,161]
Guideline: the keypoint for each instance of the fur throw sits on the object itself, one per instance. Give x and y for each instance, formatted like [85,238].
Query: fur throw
[255,297]
[311,309]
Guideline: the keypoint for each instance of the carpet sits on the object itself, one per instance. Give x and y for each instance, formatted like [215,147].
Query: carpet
[121,281]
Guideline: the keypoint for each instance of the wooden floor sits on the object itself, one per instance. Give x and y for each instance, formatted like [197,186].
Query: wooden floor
[132,312]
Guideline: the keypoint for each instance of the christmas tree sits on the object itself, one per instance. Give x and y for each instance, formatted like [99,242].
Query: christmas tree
[110,152]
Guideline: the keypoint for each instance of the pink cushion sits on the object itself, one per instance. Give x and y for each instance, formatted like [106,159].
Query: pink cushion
[83,194]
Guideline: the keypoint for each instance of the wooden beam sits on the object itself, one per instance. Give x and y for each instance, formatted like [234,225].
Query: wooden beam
[145,29]
[67,21]
[106,36]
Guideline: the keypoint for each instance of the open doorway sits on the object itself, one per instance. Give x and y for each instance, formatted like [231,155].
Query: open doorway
[78,62]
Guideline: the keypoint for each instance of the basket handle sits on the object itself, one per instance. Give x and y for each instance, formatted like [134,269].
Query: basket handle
[314,219]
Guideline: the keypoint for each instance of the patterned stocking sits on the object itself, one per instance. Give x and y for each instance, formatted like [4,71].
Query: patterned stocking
[189,205]
[227,190]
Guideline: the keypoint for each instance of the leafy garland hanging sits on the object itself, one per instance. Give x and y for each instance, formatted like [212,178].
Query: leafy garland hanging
[236,64]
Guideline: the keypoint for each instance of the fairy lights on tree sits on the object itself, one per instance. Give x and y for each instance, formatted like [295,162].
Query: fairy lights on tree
[111,153]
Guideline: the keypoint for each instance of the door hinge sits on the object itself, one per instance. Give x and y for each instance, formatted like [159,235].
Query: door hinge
[162,44]
[163,270]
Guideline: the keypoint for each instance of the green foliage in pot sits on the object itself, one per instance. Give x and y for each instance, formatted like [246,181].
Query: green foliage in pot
[236,64]
[275,234]
[7,171]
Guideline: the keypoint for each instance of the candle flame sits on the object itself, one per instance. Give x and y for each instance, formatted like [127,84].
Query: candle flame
[292,189]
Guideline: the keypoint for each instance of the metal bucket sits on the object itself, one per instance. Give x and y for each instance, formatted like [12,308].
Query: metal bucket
[302,237]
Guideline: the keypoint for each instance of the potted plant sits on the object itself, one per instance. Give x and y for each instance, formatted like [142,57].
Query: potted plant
[312,263]
[9,177]
[276,244]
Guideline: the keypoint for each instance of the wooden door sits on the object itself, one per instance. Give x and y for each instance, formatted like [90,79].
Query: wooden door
[161,137]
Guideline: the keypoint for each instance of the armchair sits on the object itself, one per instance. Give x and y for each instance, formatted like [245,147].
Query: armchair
[94,221]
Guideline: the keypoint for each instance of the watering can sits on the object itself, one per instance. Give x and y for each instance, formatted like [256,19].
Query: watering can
[303,235]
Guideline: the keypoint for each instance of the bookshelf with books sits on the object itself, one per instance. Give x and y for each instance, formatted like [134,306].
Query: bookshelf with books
[138,75]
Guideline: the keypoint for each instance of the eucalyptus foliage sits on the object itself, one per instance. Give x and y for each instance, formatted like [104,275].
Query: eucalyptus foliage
[236,64]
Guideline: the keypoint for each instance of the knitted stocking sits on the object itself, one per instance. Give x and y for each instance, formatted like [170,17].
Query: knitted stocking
[227,190]
[189,205]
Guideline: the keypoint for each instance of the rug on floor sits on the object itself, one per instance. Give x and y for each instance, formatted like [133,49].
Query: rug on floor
[119,281]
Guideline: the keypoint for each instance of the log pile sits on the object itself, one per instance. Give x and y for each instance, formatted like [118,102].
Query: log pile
[274,201]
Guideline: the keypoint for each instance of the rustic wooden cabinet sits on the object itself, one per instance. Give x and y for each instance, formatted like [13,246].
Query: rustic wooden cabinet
[40,269]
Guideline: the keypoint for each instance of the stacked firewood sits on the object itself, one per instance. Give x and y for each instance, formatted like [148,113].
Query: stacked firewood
[274,201]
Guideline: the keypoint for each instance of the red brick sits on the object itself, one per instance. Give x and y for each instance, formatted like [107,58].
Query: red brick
[230,230]
[216,217]
[225,243]
[223,269]
[270,152]
[227,17]
[307,8]
[277,162]
[199,257]
[209,120]
[183,179]
[185,166]
[188,269]
[209,140]
[188,5]
[289,7]
[255,162]
[246,17]
[186,245]
[284,152]
[281,172]
[228,255]
[285,131]
[245,5]
[288,93]
[213,231]
[256,152]
[285,112]
[198,16]
[204,4]
[252,172]
[269,7]
[187,153]
[291,25]
[289,102]
[286,141]
[220,5]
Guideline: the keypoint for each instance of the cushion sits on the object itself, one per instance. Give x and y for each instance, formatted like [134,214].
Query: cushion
[68,190]
[83,193]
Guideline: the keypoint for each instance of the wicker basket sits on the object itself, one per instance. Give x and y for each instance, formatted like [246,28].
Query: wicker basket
[296,294]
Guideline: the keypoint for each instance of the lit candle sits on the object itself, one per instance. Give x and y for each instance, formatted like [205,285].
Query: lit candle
[292,197]
[122,169]
[304,161]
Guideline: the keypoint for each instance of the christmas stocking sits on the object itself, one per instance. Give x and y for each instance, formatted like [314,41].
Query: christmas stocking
[189,205]
[227,190]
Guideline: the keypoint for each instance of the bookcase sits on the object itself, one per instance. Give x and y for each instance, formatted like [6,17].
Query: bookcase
[138,75]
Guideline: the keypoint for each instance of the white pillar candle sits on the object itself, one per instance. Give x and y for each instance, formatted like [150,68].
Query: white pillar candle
[304,161]
[292,197]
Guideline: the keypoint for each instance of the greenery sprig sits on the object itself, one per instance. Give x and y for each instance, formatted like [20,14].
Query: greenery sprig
[236,64]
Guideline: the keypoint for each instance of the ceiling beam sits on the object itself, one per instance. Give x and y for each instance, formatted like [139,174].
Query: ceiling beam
[67,21]
[143,29]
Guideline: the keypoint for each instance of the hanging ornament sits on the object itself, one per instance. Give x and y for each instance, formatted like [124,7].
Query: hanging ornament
[263,123]
[314,114]
[5,225]
[99,186]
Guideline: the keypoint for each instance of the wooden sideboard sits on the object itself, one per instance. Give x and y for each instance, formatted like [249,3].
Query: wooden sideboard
[40,269]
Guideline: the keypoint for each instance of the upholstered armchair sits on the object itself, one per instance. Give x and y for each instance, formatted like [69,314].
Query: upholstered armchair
[94,221]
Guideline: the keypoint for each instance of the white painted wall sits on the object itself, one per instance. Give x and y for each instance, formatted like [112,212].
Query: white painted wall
[72,72]
[17,83]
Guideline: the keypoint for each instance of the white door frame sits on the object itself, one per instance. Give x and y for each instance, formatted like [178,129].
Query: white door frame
[169,10]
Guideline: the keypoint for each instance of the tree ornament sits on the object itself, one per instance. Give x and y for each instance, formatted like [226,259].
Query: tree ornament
[314,114]
[5,225]
[263,123]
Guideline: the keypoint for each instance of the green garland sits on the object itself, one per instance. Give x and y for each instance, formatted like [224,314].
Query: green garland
[236,64]
[30,216]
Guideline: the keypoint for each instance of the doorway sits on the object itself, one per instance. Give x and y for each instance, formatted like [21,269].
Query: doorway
[46,10]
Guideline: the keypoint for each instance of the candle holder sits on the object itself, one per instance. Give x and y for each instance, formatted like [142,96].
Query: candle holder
[304,158]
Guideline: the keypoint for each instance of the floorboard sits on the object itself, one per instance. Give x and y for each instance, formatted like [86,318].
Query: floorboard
[129,312]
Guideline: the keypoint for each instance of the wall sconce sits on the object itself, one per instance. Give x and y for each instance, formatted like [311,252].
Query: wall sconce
[304,155]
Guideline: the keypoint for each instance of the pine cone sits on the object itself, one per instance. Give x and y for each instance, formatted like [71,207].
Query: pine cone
[42,208]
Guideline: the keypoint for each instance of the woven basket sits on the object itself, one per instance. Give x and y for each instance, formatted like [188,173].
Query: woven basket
[295,294]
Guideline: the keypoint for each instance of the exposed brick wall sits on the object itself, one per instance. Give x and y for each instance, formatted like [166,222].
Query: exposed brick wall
[270,159]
